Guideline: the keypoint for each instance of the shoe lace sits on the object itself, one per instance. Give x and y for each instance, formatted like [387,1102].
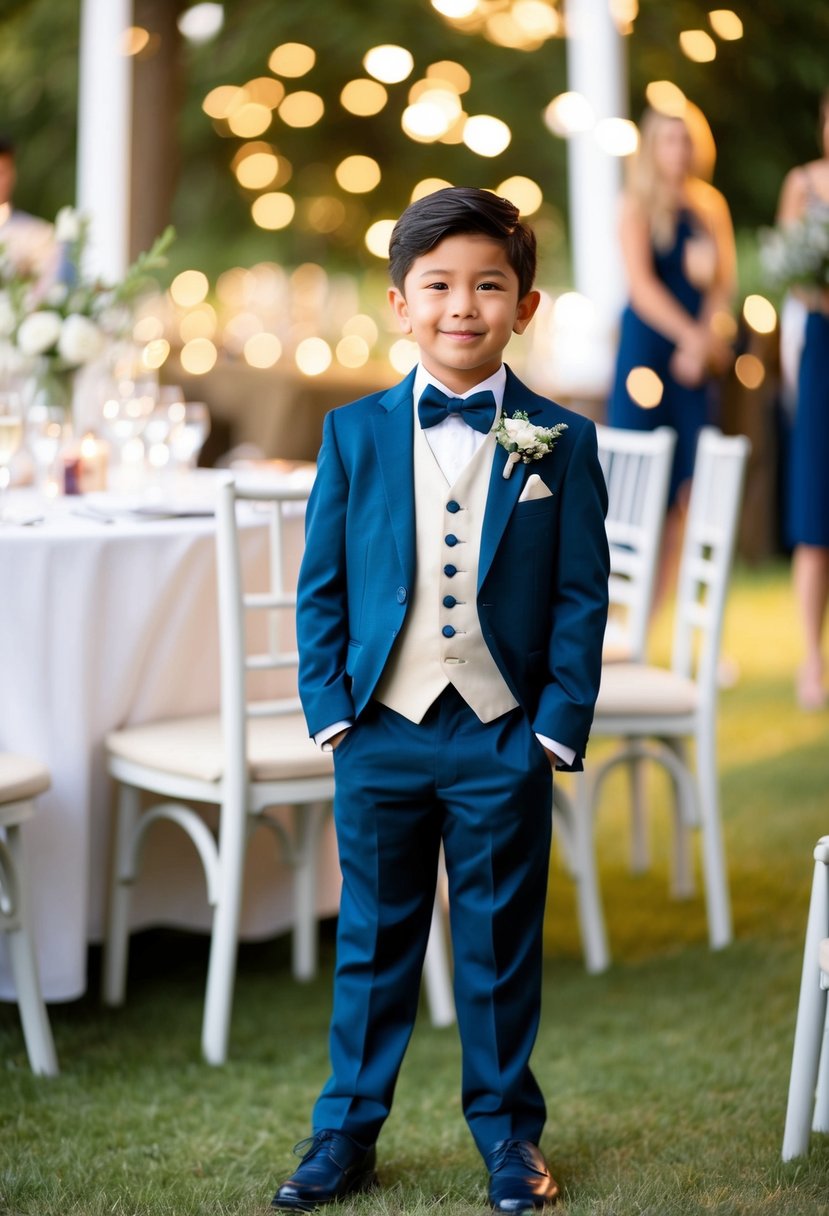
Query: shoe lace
[515,1150]
[311,1144]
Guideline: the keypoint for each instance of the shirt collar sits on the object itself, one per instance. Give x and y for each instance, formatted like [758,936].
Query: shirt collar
[496,383]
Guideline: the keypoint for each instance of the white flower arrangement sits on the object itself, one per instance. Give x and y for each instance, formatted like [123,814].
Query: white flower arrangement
[797,254]
[524,441]
[61,327]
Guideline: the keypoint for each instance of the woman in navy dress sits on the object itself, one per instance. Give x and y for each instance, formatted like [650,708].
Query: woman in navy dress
[806,188]
[678,248]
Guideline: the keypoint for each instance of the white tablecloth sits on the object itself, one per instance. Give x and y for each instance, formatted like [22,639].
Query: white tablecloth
[103,625]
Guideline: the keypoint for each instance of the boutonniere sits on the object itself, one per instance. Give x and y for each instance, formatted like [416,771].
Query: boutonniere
[524,441]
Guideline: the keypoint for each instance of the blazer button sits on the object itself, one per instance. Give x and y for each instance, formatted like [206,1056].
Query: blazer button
[453,506]
[450,571]
[401,595]
[449,601]
[448,631]
[451,540]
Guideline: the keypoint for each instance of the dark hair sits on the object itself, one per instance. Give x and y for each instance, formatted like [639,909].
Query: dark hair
[7,147]
[458,209]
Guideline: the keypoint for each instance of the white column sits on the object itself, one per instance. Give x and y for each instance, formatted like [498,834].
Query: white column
[104,133]
[596,69]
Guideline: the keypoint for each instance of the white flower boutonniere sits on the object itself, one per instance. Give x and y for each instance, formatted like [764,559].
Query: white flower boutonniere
[524,441]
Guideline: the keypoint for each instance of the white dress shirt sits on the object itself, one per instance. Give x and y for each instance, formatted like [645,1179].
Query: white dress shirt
[454,443]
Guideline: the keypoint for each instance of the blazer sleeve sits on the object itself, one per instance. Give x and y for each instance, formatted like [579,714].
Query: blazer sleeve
[322,594]
[579,603]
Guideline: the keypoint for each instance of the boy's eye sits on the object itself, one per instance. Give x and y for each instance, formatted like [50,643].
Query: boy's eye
[489,287]
[437,287]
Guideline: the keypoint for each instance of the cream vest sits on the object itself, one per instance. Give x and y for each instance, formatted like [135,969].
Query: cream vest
[441,641]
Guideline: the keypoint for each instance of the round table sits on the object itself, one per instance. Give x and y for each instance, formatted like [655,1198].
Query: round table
[105,624]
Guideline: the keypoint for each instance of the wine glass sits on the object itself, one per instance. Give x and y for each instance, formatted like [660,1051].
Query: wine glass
[190,432]
[11,435]
[45,427]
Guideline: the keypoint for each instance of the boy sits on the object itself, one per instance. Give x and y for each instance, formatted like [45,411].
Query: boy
[451,607]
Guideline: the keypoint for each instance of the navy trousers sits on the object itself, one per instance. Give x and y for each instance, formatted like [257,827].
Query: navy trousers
[485,790]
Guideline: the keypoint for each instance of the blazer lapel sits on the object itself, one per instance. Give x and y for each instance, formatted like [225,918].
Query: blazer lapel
[393,437]
[504,492]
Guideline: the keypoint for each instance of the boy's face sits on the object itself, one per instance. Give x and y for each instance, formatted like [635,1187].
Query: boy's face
[460,304]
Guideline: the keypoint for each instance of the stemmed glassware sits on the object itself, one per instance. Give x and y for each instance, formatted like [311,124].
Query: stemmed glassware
[188,436]
[11,436]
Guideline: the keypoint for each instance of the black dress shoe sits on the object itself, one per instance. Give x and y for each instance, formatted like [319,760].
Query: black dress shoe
[519,1180]
[333,1165]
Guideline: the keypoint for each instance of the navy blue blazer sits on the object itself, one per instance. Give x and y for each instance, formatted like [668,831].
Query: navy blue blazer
[543,571]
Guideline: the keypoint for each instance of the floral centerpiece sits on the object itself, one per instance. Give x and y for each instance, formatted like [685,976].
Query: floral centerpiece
[796,255]
[49,330]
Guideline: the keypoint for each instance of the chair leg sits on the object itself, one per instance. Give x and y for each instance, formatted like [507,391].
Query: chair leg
[224,941]
[37,1032]
[580,823]
[640,859]
[116,942]
[308,824]
[683,885]
[436,971]
[809,1027]
[820,1122]
[717,899]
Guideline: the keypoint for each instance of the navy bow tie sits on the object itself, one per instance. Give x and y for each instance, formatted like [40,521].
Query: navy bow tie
[477,410]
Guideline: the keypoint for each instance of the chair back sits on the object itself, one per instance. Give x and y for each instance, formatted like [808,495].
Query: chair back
[707,553]
[281,507]
[637,470]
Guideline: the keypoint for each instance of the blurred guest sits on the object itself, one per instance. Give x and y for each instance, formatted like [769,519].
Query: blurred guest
[805,189]
[28,243]
[678,248]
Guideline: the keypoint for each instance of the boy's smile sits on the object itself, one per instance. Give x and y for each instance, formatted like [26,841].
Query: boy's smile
[460,304]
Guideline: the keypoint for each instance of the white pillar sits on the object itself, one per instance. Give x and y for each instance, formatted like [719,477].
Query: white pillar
[596,69]
[104,133]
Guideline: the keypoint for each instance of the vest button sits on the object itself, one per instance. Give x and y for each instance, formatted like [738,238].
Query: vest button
[450,571]
[453,506]
[448,631]
[401,595]
[449,601]
[451,539]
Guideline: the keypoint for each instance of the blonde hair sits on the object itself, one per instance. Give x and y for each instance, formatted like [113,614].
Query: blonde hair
[646,185]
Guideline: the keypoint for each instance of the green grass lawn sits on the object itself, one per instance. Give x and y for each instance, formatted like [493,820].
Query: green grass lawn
[666,1077]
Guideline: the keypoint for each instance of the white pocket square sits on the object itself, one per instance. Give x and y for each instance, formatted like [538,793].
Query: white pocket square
[534,489]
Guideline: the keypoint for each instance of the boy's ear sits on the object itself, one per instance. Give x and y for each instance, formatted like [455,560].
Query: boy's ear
[400,309]
[525,311]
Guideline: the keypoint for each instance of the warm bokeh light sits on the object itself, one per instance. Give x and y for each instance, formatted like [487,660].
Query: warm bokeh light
[301,109]
[273,210]
[155,353]
[199,356]
[523,192]
[726,24]
[257,170]
[361,326]
[502,29]
[617,136]
[262,350]
[428,186]
[424,121]
[201,22]
[698,46]
[200,323]
[265,91]
[666,97]
[388,63]
[147,328]
[324,213]
[249,119]
[378,237]
[313,356]
[292,59]
[358,174]
[189,288]
[536,18]
[723,325]
[572,310]
[222,100]
[760,314]
[403,354]
[569,114]
[454,133]
[134,40]
[363,97]
[239,328]
[456,10]
[486,135]
[645,387]
[352,351]
[749,371]
[624,13]
[451,72]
